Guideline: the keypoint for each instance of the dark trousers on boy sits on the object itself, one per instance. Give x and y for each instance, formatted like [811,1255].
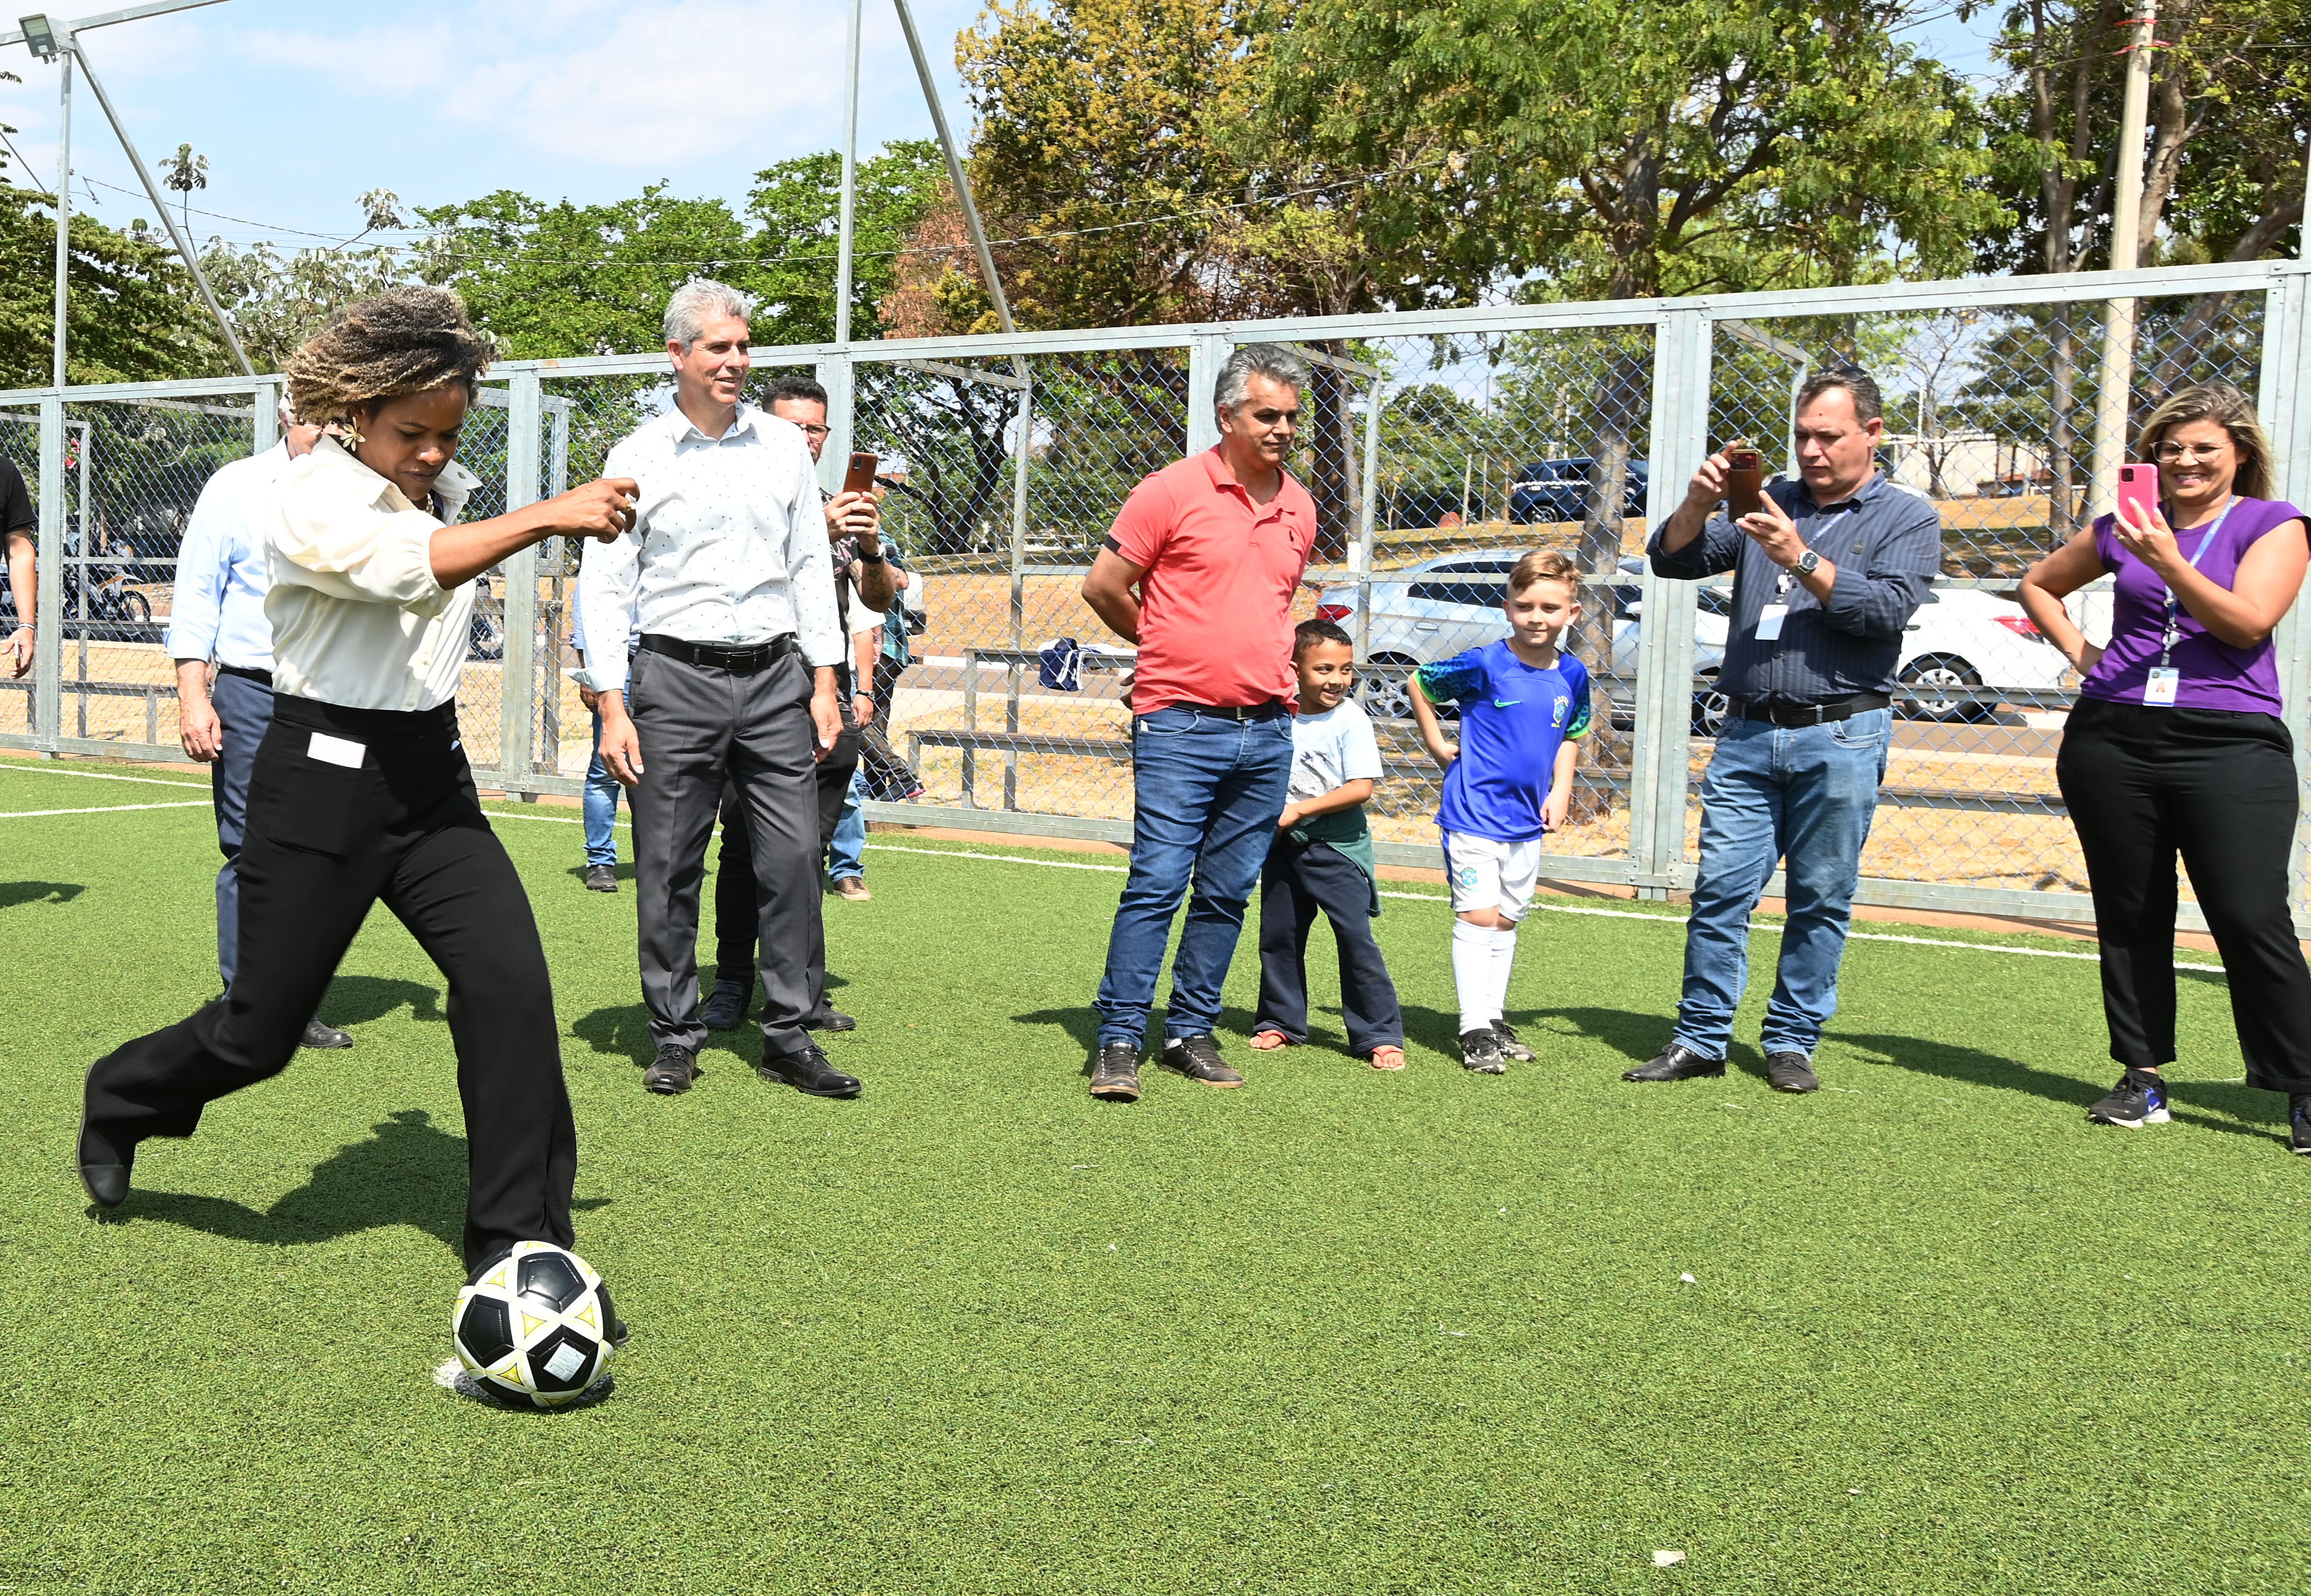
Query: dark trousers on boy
[1302,882]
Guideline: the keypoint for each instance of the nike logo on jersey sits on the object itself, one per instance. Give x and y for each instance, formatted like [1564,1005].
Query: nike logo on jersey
[1507,703]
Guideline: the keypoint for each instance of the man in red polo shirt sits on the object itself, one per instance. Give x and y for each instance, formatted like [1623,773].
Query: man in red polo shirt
[1215,546]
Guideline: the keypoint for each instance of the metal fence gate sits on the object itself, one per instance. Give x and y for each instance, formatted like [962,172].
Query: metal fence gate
[1438,445]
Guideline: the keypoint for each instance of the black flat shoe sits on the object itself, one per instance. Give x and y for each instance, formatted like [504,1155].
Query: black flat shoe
[1791,1072]
[1675,1063]
[726,1005]
[806,1070]
[830,1020]
[103,1163]
[322,1036]
[672,1071]
[1115,1073]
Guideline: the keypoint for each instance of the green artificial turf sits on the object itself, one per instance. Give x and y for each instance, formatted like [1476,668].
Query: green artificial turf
[1339,1331]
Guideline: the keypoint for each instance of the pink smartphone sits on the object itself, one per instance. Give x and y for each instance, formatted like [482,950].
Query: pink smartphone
[2138,493]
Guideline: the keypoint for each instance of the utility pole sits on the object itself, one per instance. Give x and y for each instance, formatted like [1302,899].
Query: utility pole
[64,212]
[850,181]
[2113,409]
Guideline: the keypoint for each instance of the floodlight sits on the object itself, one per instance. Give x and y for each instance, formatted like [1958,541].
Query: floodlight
[40,34]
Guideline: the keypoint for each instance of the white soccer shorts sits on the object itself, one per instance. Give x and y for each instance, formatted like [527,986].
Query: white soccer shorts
[1484,874]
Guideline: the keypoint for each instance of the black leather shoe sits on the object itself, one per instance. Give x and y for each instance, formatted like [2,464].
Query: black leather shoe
[806,1070]
[601,878]
[1675,1063]
[319,1035]
[726,1005]
[1115,1073]
[830,1020]
[672,1071]
[103,1162]
[1198,1058]
[1791,1072]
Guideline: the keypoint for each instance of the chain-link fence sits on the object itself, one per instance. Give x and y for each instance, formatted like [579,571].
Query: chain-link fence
[1439,447]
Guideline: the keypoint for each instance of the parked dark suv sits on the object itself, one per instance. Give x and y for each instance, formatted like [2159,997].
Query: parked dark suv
[1559,490]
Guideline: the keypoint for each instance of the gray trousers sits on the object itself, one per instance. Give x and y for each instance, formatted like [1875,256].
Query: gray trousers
[699,725]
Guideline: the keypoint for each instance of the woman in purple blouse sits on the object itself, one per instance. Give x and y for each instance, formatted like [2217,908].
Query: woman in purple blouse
[2176,746]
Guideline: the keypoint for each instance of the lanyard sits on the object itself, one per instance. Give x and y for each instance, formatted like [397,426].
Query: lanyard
[2174,606]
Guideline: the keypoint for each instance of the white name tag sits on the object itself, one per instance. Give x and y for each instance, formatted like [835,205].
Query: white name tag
[2161,685]
[1769,622]
[331,750]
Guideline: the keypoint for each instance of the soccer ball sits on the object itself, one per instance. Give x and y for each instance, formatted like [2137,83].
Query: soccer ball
[536,1327]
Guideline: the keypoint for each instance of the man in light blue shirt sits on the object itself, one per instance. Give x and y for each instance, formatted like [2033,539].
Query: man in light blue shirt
[223,571]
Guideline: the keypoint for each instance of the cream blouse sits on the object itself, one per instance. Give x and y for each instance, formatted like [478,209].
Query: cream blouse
[358,619]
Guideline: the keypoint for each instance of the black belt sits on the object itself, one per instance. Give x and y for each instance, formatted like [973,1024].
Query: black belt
[1809,714]
[248,673]
[737,659]
[1250,711]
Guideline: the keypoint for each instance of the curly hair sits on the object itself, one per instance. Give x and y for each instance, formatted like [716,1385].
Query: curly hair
[405,341]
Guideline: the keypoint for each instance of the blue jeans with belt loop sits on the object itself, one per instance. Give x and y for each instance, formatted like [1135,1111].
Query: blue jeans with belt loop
[1206,791]
[1805,793]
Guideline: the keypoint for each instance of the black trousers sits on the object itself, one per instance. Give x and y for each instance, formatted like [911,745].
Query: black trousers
[736,922]
[701,727]
[2220,789]
[323,844]
[1301,882]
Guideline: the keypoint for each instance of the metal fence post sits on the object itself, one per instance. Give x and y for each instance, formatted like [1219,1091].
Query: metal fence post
[265,416]
[836,376]
[1360,554]
[518,667]
[1660,751]
[1019,507]
[1207,354]
[2286,367]
[48,633]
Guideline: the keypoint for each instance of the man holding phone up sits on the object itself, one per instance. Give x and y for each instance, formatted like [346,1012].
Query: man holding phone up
[1828,572]
[726,577]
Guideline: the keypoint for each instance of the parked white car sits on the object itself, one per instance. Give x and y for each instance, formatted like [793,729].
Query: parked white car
[1964,647]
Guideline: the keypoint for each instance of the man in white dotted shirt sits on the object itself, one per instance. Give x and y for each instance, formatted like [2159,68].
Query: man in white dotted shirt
[728,575]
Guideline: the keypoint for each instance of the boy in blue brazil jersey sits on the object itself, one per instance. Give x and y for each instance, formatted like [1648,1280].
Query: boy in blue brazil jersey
[1523,706]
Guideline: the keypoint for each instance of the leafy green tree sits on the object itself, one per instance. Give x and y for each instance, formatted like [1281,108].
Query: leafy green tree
[131,314]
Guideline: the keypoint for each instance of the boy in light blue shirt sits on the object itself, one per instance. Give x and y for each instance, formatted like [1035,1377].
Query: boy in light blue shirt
[1320,862]
[1508,781]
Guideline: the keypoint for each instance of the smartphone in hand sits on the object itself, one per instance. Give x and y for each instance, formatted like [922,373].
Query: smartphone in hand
[2138,493]
[860,477]
[1745,480]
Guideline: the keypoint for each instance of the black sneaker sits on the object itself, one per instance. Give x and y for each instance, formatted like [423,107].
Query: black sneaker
[1115,1073]
[1511,1048]
[601,878]
[2298,1123]
[1198,1058]
[2139,1099]
[1480,1050]
[671,1072]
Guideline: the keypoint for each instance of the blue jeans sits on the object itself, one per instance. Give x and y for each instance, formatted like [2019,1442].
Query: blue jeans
[244,710]
[601,806]
[1806,794]
[846,851]
[1206,793]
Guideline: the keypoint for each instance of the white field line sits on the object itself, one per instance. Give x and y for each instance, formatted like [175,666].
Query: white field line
[25,767]
[100,809]
[1667,920]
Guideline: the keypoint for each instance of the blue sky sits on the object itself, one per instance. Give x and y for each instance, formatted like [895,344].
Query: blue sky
[301,108]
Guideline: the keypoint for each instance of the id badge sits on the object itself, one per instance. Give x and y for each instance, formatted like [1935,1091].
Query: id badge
[2161,685]
[331,750]
[1769,622]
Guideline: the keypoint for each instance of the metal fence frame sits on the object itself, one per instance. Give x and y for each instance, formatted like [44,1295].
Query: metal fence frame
[1685,333]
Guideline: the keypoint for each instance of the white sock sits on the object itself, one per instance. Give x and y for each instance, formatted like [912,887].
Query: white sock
[1503,954]
[1473,974]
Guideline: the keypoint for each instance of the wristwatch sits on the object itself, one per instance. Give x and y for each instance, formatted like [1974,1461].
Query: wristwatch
[1807,563]
[876,558]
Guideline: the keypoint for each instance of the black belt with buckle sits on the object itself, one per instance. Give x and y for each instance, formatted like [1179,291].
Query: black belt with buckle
[1242,711]
[1809,714]
[737,659]
[247,673]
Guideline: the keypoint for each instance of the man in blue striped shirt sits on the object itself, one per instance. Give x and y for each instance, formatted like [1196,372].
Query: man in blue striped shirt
[1826,574]
[217,612]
